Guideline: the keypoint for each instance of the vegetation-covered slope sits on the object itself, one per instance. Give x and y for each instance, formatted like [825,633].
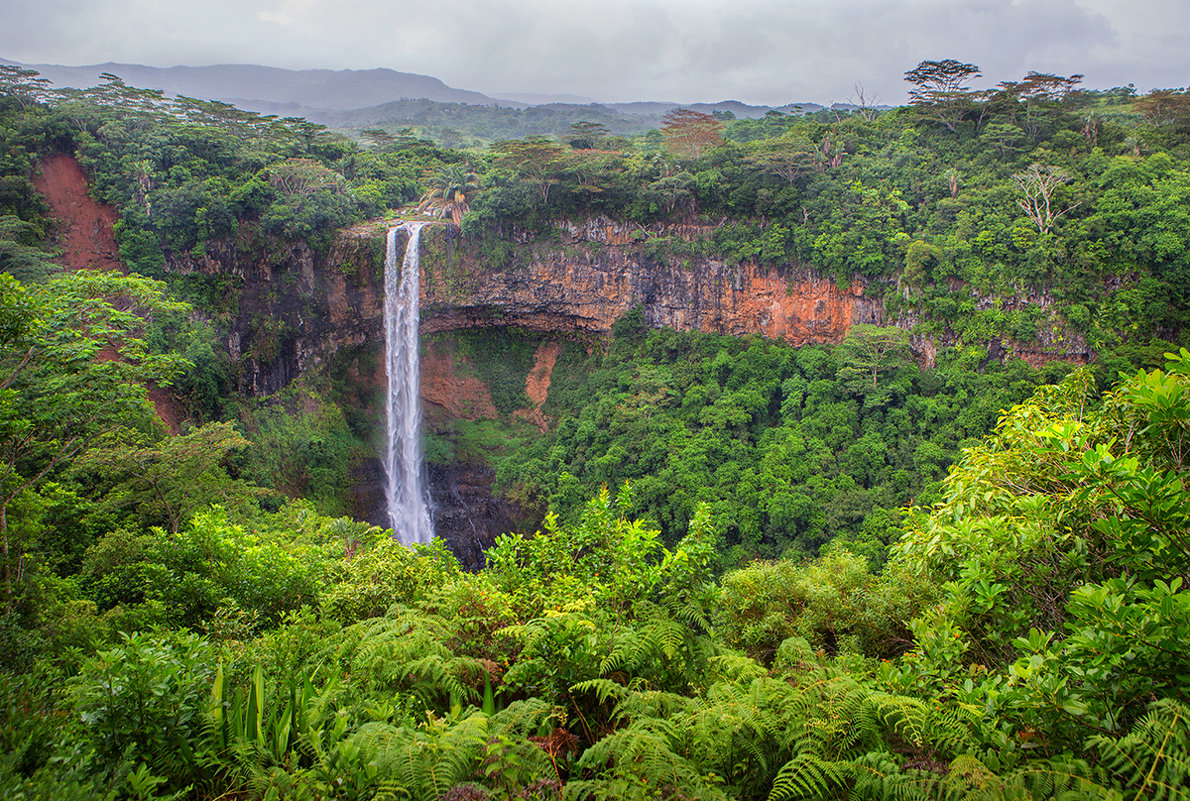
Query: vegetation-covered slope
[1024,640]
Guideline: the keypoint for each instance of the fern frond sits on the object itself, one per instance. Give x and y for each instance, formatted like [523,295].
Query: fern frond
[1153,759]
[736,667]
[434,757]
[880,775]
[603,689]
[626,653]
[521,718]
[908,717]
[659,637]
[637,762]
[809,776]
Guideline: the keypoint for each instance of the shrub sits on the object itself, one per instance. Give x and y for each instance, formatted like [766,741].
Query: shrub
[144,701]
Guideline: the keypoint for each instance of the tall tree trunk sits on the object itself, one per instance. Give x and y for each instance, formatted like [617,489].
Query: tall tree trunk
[4,555]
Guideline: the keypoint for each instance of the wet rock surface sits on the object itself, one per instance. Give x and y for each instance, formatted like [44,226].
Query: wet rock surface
[465,513]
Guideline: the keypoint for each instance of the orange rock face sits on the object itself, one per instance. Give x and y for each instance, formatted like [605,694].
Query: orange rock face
[446,391]
[537,384]
[589,282]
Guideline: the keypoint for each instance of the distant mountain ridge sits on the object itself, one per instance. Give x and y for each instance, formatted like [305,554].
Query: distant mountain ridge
[353,100]
[343,90]
[247,83]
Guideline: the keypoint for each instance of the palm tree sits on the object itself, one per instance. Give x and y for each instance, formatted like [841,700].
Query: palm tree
[449,192]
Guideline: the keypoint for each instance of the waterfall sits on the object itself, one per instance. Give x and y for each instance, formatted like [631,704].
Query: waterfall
[406,493]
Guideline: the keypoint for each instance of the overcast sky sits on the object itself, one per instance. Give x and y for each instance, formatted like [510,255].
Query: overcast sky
[759,51]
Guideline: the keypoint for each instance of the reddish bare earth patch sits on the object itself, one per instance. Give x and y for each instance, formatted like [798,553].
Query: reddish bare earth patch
[447,393]
[537,384]
[84,234]
[86,240]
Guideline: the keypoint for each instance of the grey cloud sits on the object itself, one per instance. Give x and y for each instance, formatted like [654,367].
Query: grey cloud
[769,51]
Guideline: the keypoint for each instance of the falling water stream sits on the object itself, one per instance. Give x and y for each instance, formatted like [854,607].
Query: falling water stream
[406,494]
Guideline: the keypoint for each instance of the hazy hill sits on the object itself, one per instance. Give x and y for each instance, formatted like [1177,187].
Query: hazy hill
[247,84]
[352,100]
[743,111]
[484,122]
[273,87]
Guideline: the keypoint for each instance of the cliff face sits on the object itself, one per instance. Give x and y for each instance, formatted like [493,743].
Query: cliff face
[292,309]
[296,308]
[599,270]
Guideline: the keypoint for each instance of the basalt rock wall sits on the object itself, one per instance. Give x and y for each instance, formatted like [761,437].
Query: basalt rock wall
[295,308]
[290,308]
[598,270]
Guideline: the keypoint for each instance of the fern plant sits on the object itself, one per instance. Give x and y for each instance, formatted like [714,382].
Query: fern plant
[405,653]
[422,763]
[1152,760]
[639,762]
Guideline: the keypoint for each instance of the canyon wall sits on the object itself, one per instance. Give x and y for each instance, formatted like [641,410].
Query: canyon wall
[598,270]
[296,308]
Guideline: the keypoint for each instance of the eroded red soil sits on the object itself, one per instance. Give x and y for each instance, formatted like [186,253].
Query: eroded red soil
[537,383]
[85,240]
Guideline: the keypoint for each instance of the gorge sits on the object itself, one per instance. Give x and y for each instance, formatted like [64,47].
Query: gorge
[293,311]
[548,294]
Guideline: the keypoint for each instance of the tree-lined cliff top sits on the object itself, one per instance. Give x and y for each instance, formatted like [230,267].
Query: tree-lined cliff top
[1034,189]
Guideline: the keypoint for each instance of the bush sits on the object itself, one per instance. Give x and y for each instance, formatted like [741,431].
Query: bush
[144,701]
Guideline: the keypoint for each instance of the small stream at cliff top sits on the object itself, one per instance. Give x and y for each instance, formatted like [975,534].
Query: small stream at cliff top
[406,493]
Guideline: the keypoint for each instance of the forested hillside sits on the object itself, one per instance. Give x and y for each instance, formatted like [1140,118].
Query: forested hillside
[900,562]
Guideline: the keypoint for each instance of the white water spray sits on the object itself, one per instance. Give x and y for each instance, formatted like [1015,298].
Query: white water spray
[406,494]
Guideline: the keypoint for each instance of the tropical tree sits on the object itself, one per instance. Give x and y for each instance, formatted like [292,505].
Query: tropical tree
[868,350]
[450,191]
[1162,107]
[941,89]
[72,369]
[379,138]
[691,133]
[586,135]
[785,162]
[536,159]
[170,479]
[26,85]
[1039,184]
[1039,95]
[304,177]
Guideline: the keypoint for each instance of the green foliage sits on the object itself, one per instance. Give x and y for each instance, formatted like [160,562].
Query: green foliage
[209,569]
[501,358]
[58,396]
[1152,758]
[143,702]
[790,448]
[835,603]
[1023,638]
[302,446]
[372,581]
[167,481]
[605,664]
